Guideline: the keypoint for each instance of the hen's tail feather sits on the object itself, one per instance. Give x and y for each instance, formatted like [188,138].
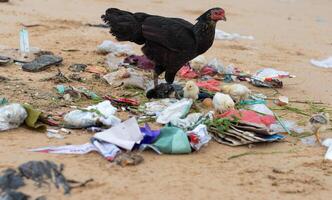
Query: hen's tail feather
[125,26]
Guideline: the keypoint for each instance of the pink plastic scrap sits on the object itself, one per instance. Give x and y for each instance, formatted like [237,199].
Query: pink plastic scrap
[249,116]
[140,61]
[187,72]
[208,70]
[210,85]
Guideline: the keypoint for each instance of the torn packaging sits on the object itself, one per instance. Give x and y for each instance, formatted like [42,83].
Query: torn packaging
[124,135]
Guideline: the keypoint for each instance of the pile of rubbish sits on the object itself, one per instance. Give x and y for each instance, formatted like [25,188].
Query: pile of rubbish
[215,105]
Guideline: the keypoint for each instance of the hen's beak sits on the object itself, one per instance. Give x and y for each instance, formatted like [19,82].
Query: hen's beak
[223,18]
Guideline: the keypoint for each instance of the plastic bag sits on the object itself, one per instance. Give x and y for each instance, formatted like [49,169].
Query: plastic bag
[187,122]
[175,111]
[12,116]
[328,144]
[327,63]
[199,137]
[290,125]
[221,35]
[109,46]
[90,116]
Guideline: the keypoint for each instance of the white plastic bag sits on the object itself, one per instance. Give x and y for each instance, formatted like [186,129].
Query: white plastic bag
[12,116]
[109,46]
[175,111]
[221,35]
[102,112]
[187,122]
[327,63]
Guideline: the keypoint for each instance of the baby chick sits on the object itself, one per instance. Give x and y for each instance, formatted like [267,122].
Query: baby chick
[222,102]
[319,122]
[191,90]
[238,92]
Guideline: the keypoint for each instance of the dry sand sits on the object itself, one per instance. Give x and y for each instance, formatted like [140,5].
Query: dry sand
[288,33]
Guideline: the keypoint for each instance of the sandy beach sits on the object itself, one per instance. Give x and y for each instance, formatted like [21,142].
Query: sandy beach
[288,33]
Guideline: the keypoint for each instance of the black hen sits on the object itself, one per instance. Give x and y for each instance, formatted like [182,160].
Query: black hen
[168,42]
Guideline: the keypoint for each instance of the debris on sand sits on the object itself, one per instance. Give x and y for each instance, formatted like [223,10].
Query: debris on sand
[4,60]
[327,63]
[128,159]
[221,35]
[77,67]
[41,63]
[109,46]
[41,172]
[12,116]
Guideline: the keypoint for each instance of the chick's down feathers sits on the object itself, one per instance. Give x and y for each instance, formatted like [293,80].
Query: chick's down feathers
[191,90]
[222,102]
[238,92]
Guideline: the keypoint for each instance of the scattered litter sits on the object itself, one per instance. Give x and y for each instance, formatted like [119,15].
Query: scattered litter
[141,62]
[4,60]
[41,63]
[122,101]
[149,135]
[189,122]
[96,69]
[172,140]
[238,133]
[32,120]
[327,63]
[42,171]
[175,111]
[199,137]
[328,144]
[128,159]
[249,117]
[282,101]
[12,116]
[113,62]
[57,134]
[221,35]
[156,107]
[198,63]
[77,67]
[107,150]
[260,108]
[102,113]
[111,47]
[13,195]
[126,77]
[124,135]
[270,73]
[210,85]
[290,125]
[10,180]
[272,83]
[76,92]
[188,72]
[310,140]
[3,101]
[24,41]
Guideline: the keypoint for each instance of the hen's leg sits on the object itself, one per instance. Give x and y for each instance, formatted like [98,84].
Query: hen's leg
[169,77]
[155,78]
[317,136]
